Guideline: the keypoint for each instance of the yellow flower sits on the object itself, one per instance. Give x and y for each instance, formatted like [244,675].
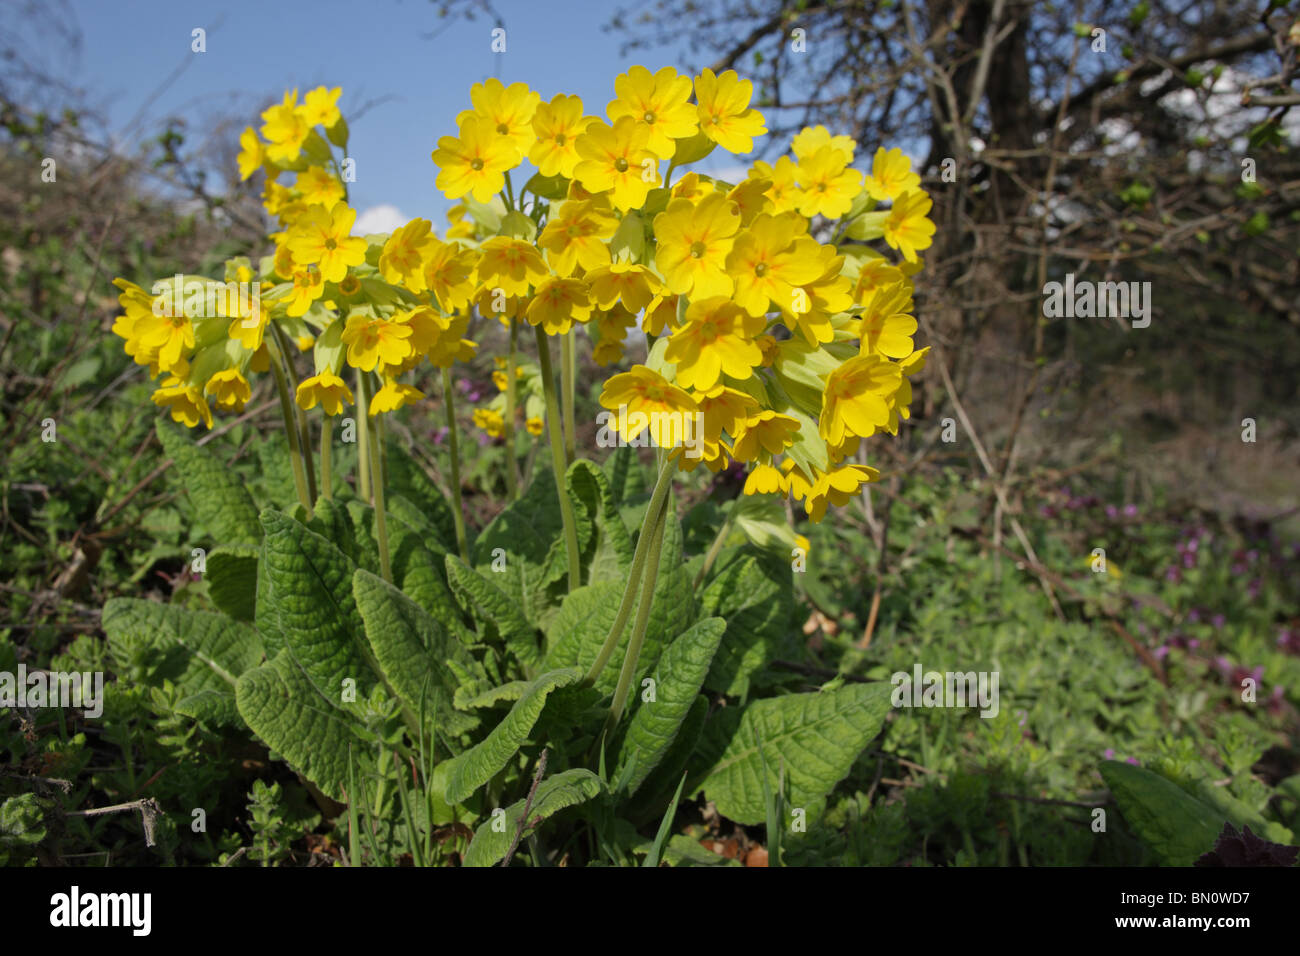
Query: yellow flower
[308,286]
[165,339]
[327,389]
[724,410]
[633,285]
[724,113]
[320,107]
[392,397]
[285,129]
[651,402]
[510,265]
[891,175]
[810,139]
[885,325]
[615,159]
[558,303]
[557,125]
[693,242]
[324,238]
[402,260]
[185,401]
[250,153]
[825,296]
[857,398]
[765,480]
[767,433]
[575,235]
[768,260]
[231,390]
[371,341]
[490,421]
[660,314]
[319,187]
[535,425]
[837,487]
[907,229]
[828,187]
[448,274]
[717,339]
[474,163]
[508,112]
[750,197]
[660,102]
[784,191]
[874,273]
[612,329]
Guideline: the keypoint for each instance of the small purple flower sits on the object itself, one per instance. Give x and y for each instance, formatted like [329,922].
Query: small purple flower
[1254,588]
[1132,760]
[1047,511]
[463,384]
[1130,511]
[1112,512]
[484,438]
[1173,574]
[1194,615]
[1189,559]
[1289,640]
[1109,753]
[440,435]
[1161,652]
[1218,621]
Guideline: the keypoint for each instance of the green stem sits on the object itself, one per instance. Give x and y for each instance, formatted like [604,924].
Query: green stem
[304,433]
[716,548]
[648,523]
[642,619]
[327,457]
[453,445]
[290,429]
[568,368]
[512,463]
[371,464]
[557,458]
[363,437]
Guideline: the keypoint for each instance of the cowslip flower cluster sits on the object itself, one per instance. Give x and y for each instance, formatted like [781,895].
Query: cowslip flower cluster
[371,309]
[769,317]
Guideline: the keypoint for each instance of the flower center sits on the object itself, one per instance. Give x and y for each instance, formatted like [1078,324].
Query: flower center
[331,245]
[649,117]
[760,270]
[709,331]
[476,164]
[620,164]
[503,129]
[698,249]
[559,139]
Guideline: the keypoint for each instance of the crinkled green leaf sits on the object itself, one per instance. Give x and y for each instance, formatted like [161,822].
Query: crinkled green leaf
[232,580]
[411,649]
[1174,824]
[608,555]
[311,589]
[223,504]
[678,677]
[665,778]
[408,479]
[484,760]
[308,728]
[490,698]
[197,651]
[493,837]
[683,850]
[627,477]
[22,821]
[817,736]
[489,604]
[756,600]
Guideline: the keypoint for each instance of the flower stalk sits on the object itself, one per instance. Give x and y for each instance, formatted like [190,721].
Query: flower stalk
[553,429]
[453,447]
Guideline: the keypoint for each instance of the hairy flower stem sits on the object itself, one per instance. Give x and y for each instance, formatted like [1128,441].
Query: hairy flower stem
[512,462]
[374,463]
[568,370]
[327,457]
[453,446]
[363,438]
[716,548]
[657,504]
[642,619]
[291,431]
[557,459]
[304,433]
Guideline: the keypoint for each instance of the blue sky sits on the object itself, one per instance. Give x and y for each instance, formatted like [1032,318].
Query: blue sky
[376,51]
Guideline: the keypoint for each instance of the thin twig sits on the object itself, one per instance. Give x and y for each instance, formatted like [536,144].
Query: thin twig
[528,806]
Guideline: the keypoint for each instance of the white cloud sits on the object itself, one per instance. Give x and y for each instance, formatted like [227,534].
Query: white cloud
[383,218]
